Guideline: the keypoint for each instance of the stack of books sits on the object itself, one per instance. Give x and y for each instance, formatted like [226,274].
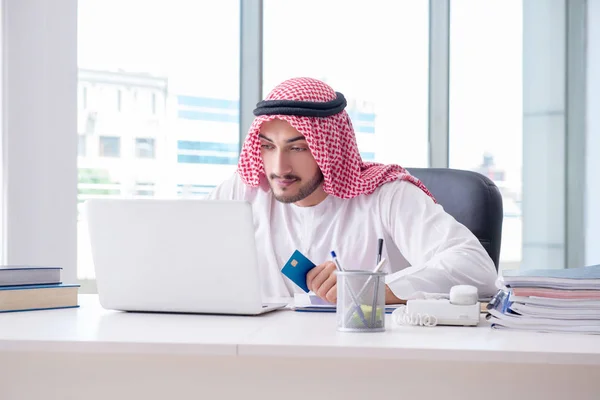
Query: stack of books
[27,288]
[565,300]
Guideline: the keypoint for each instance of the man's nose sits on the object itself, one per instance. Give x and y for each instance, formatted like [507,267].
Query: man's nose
[281,166]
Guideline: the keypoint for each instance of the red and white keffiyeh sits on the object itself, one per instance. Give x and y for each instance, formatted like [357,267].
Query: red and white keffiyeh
[331,141]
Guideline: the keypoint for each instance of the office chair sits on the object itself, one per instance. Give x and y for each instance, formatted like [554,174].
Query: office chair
[472,199]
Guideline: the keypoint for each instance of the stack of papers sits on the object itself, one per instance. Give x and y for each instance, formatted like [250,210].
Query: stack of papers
[566,300]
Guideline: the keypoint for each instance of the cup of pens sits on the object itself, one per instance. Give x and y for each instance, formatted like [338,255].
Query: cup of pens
[360,301]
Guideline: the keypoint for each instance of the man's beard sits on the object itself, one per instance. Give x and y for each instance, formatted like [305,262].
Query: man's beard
[305,190]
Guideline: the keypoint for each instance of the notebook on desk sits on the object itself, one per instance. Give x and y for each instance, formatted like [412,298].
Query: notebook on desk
[312,303]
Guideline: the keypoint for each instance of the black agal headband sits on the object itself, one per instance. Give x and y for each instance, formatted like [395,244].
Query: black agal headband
[301,108]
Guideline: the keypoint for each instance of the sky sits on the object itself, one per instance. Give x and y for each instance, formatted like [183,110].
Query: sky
[374,51]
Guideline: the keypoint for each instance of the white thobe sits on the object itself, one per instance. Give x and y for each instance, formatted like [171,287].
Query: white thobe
[427,250]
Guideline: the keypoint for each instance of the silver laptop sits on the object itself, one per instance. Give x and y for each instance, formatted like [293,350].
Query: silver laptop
[191,256]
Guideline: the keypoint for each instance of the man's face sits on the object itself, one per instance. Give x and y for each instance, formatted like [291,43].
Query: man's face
[293,173]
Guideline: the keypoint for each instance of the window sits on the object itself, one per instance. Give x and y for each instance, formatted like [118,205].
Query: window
[109,146]
[81,145]
[486,109]
[144,189]
[375,53]
[180,97]
[206,152]
[94,181]
[207,109]
[144,148]
[119,100]
[191,190]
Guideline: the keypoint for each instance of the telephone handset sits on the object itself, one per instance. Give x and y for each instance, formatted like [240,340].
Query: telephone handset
[462,308]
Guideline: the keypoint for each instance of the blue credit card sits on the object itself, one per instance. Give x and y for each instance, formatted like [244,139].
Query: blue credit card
[296,269]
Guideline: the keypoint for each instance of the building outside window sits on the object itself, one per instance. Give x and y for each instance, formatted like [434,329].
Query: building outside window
[144,148]
[81,145]
[109,146]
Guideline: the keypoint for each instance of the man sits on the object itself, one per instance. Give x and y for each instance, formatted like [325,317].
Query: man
[301,170]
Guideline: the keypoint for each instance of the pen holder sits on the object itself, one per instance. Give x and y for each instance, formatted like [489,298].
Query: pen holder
[360,301]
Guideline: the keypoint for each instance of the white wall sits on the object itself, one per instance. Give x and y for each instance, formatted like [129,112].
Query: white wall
[39,133]
[593,136]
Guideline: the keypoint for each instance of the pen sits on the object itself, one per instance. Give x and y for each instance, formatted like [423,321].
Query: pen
[380,263]
[379,249]
[335,261]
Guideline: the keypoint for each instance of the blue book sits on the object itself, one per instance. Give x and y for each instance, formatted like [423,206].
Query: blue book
[14,275]
[38,297]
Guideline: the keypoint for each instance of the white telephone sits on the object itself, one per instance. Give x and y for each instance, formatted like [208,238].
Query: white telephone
[463,308]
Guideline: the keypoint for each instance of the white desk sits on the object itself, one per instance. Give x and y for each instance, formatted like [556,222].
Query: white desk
[91,353]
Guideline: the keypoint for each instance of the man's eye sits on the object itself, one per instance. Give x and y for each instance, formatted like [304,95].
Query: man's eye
[298,148]
[266,146]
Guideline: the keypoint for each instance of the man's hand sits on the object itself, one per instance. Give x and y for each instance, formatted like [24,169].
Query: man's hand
[322,281]
[390,298]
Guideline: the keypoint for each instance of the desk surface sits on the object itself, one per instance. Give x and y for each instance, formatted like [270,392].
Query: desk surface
[284,333]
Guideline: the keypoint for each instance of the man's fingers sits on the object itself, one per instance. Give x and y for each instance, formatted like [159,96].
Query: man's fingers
[324,280]
[326,286]
[310,276]
[331,295]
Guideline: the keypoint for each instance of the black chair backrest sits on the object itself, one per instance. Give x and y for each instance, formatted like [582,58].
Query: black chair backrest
[472,199]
